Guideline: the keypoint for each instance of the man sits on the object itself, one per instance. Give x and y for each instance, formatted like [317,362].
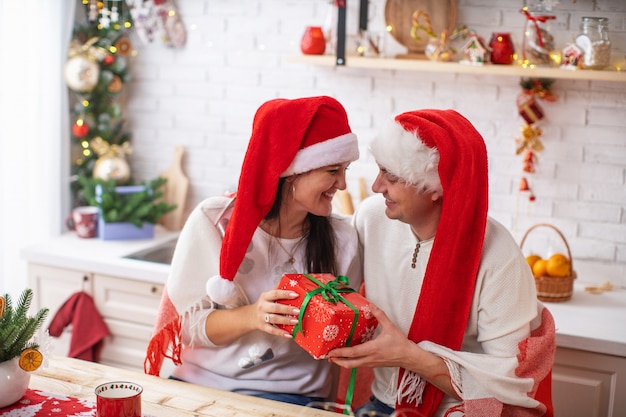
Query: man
[461,331]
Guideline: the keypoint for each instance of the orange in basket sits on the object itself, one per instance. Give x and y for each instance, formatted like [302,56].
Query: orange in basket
[554,277]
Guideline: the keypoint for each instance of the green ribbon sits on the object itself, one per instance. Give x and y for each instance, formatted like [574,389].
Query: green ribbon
[331,292]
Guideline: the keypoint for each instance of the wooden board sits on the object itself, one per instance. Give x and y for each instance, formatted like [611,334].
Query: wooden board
[399,14]
[175,191]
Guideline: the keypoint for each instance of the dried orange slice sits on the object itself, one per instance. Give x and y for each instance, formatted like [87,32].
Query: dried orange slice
[3,304]
[30,359]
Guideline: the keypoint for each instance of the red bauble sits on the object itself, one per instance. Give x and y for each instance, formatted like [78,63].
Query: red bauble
[80,129]
[108,60]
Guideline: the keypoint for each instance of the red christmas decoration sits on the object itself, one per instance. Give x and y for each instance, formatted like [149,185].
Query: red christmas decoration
[80,129]
[523,185]
[108,60]
[529,143]
[313,41]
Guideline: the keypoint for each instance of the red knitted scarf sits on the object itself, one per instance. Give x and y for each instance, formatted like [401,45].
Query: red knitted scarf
[446,296]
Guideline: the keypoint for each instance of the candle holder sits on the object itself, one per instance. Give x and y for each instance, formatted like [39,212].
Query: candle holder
[502,50]
[313,41]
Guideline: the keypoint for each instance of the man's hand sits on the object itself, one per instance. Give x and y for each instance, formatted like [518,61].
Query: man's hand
[390,348]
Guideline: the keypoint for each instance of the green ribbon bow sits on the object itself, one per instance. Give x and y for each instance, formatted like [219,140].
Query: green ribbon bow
[331,292]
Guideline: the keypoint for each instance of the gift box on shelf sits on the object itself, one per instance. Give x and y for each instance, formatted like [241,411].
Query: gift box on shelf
[332,315]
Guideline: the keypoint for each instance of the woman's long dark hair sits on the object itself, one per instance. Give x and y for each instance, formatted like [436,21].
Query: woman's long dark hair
[321,242]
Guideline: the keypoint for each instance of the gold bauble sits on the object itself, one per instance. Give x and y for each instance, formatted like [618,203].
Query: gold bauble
[112,167]
[81,73]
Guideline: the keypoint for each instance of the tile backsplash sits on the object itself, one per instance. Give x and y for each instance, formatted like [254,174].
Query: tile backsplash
[204,95]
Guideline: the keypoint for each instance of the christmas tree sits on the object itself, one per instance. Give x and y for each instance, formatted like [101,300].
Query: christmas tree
[95,73]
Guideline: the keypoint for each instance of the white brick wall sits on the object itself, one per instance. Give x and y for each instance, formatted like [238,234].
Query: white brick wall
[204,97]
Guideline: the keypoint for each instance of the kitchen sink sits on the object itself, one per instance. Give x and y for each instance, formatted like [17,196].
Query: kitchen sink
[161,253]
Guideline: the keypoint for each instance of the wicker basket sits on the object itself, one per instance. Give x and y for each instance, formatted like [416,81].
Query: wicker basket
[554,289]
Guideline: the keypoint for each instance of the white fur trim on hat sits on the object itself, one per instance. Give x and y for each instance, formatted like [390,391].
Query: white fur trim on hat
[224,292]
[341,149]
[404,154]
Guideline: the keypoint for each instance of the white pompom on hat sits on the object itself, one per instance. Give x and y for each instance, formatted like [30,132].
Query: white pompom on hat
[288,137]
[402,152]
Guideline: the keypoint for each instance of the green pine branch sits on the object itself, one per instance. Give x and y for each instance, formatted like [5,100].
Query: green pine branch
[17,328]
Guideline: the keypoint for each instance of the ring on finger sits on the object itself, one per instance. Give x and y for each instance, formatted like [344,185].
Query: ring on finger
[267,318]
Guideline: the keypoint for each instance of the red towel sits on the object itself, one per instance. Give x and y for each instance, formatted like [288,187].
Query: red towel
[88,327]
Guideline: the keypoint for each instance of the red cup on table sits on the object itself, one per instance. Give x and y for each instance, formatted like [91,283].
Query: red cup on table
[118,399]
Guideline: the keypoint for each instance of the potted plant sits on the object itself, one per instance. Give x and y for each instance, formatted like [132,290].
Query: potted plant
[126,212]
[19,352]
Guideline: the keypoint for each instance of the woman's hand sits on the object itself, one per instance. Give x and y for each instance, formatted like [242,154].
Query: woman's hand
[267,312]
[225,326]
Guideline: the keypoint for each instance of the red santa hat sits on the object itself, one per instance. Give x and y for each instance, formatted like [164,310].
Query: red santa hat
[288,137]
[441,150]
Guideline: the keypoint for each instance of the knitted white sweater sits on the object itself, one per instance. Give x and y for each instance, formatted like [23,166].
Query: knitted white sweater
[503,307]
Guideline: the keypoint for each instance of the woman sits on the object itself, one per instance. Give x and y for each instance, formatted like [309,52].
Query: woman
[280,221]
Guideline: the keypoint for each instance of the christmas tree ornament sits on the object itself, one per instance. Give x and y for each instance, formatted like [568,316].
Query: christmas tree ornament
[80,128]
[105,20]
[93,10]
[111,162]
[81,73]
[123,46]
[108,60]
[115,15]
[115,86]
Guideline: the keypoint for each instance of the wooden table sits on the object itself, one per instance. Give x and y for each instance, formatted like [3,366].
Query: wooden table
[161,397]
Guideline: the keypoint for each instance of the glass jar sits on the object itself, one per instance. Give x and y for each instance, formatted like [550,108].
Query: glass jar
[538,42]
[594,42]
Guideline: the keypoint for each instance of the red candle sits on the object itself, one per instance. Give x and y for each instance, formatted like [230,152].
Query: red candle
[313,42]
[502,49]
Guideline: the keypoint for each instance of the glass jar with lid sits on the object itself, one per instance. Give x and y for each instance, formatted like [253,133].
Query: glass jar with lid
[594,42]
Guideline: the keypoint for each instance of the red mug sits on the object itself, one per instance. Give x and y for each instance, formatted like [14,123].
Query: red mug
[118,399]
[84,221]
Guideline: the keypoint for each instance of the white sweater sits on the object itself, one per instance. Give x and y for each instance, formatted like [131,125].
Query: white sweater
[503,306]
[257,362]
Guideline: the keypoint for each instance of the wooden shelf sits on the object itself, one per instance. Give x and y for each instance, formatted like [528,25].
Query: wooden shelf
[455,67]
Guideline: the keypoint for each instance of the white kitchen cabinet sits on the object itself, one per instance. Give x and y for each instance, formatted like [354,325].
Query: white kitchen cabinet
[128,307]
[588,384]
[51,288]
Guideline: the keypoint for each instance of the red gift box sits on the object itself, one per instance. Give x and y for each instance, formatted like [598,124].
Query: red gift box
[332,315]
[528,108]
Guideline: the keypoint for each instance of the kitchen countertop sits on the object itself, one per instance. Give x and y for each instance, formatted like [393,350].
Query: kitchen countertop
[102,256]
[590,322]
